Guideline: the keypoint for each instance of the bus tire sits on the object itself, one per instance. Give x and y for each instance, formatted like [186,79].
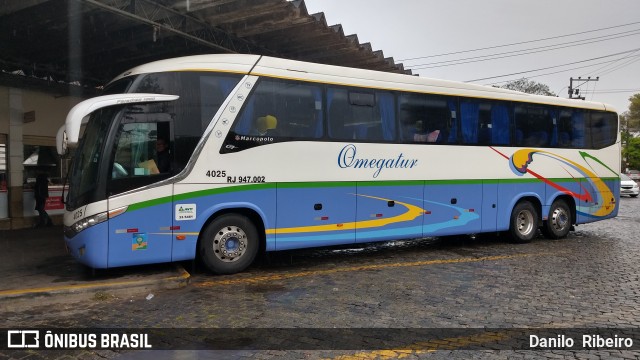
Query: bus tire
[559,222]
[229,244]
[524,222]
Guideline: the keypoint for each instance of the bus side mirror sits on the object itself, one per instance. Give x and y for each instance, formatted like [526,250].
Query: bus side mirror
[62,141]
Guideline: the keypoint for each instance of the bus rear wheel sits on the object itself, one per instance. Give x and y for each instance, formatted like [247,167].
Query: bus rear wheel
[559,222]
[229,244]
[524,222]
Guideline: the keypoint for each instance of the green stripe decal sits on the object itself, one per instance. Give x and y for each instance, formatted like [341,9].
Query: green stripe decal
[223,190]
[197,194]
[337,184]
[146,204]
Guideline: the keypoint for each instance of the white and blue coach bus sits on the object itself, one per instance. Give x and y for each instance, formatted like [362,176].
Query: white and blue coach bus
[267,154]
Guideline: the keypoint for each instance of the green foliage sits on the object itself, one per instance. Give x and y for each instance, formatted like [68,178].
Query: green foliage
[633,115]
[632,153]
[529,87]
[630,125]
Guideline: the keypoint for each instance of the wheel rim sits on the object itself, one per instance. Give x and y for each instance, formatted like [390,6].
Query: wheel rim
[524,222]
[559,219]
[230,243]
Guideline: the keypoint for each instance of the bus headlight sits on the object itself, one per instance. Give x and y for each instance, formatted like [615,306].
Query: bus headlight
[89,222]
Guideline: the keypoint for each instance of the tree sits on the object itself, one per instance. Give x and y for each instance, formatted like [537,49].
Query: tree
[630,126]
[632,153]
[632,117]
[528,86]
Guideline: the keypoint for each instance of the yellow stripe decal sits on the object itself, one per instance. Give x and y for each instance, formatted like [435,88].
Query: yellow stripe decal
[411,214]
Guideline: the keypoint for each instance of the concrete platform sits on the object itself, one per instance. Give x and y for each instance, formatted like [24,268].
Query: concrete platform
[34,264]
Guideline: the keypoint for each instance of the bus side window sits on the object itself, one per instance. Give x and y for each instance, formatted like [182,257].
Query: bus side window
[485,122]
[427,118]
[470,121]
[534,125]
[411,123]
[579,129]
[279,109]
[604,129]
[386,111]
[500,120]
[563,127]
[138,159]
[338,114]
[355,114]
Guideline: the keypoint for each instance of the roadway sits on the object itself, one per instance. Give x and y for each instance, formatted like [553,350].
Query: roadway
[435,298]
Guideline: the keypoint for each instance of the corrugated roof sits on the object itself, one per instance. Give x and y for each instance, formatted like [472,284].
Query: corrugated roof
[91,41]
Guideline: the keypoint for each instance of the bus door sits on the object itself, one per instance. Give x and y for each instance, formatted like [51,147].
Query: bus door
[316,214]
[452,207]
[140,207]
[392,211]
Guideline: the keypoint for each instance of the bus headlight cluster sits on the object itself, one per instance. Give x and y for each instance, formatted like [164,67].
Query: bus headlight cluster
[89,222]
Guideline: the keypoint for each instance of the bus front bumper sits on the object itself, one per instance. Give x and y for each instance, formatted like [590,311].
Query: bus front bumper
[91,246]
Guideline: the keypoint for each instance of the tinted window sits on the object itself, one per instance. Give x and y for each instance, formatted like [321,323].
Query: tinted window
[140,153]
[604,127]
[364,115]
[580,131]
[282,109]
[564,129]
[427,118]
[118,87]
[85,170]
[533,125]
[201,95]
[571,129]
[485,122]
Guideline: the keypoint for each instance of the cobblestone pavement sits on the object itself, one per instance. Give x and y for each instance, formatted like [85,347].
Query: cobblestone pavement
[589,280]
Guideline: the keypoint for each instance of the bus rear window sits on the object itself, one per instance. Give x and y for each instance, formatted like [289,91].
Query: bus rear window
[604,127]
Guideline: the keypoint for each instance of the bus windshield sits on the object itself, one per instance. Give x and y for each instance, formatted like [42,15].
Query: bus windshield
[86,162]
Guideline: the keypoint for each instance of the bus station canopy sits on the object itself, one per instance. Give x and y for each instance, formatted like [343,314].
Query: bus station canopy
[52,44]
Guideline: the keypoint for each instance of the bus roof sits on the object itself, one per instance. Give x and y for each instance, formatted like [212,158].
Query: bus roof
[330,74]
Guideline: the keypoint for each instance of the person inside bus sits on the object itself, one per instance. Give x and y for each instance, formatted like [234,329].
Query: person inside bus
[423,135]
[163,157]
[265,125]
[419,134]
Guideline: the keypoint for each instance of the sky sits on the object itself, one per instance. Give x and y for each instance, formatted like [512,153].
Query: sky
[560,39]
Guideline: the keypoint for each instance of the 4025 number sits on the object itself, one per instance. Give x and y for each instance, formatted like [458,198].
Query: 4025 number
[216,173]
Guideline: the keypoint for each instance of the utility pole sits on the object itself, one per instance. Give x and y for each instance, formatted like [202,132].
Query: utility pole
[575,91]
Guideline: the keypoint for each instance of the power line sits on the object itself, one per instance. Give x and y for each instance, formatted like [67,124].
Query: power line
[574,68]
[630,55]
[519,43]
[522,52]
[620,66]
[556,66]
[608,91]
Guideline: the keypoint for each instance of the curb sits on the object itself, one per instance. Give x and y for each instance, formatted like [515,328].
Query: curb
[180,279]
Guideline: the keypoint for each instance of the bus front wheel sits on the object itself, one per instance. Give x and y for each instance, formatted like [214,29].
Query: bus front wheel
[559,222]
[524,222]
[229,244]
